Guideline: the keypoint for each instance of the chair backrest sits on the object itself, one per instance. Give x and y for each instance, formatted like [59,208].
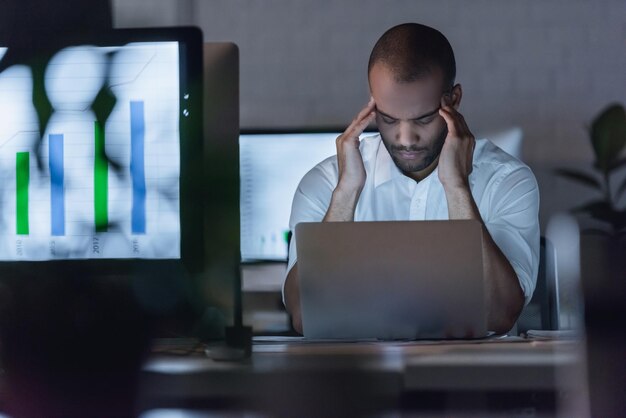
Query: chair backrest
[542,312]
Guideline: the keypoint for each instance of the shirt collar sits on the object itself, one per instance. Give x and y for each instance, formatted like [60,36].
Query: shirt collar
[385,168]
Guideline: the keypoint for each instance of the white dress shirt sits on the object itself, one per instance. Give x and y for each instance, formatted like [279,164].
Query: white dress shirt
[504,189]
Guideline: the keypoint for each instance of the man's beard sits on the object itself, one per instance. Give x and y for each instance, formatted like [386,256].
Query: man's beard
[430,156]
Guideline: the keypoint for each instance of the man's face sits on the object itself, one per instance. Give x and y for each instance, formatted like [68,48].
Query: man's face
[408,119]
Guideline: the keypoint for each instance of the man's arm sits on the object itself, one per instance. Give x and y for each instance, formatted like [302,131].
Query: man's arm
[343,201]
[503,293]
[351,168]
[292,298]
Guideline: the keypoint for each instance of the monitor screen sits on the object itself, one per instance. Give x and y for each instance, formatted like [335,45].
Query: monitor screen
[136,163]
[271,166]
[93,189]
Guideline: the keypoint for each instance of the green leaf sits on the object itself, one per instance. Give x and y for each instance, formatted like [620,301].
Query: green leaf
[579,176]
[608,136]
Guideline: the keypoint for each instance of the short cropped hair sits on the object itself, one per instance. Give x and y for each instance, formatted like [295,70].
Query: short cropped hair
[412,51]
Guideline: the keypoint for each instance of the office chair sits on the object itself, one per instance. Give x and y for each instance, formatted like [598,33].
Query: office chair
[542,312]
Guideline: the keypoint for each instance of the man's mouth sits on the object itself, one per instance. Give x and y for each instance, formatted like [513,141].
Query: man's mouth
[410,154]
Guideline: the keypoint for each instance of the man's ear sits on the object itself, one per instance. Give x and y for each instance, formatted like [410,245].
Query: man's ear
[456,95]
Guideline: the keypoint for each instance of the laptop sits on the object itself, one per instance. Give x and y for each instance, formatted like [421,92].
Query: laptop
[391,280]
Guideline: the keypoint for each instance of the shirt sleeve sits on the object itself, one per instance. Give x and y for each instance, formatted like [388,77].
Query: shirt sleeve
[310,203]
[513,223]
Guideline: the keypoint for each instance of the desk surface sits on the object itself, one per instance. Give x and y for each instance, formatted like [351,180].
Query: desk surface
[283,376]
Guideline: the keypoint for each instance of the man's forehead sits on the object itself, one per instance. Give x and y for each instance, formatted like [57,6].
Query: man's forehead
[409,115]
[411,108]
[405,100]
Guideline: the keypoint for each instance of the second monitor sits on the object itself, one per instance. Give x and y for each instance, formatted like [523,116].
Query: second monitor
[271,166]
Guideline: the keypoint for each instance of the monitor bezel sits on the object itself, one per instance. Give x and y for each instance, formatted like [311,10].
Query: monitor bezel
[190,40]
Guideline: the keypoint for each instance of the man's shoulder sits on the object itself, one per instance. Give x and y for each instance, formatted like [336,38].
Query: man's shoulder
[488,156]
[322,176]
[326,165]
[497,170]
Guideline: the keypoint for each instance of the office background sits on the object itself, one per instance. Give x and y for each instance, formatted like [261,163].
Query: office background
[548,67]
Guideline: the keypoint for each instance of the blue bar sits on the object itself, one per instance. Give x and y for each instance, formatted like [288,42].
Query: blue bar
[57,194]
[137,171]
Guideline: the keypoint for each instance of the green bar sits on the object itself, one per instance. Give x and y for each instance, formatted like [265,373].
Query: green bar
[22,176]
[100,181]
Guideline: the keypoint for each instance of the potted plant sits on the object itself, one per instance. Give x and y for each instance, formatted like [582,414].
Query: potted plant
[603,246]
[608,139]
[603,263]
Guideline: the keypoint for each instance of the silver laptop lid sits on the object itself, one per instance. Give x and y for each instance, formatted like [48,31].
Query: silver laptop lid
[391,280]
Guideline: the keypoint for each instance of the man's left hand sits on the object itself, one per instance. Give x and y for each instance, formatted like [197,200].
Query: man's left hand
[455,160]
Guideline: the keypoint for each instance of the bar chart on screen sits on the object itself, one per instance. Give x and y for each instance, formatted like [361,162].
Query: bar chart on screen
[271,166]
[89,188]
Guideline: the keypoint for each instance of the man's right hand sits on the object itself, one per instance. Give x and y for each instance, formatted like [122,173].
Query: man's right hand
[351,169]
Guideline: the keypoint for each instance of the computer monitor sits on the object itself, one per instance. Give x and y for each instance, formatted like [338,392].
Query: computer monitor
[145,195]
[271,167]
[110,190]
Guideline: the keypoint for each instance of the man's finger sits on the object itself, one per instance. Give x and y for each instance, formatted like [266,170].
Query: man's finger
[450,121]
[357,127]
[368,108]
[360,122]
[365,117]
[457,119]
[452,110]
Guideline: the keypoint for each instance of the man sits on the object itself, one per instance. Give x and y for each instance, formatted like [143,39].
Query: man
[426,164]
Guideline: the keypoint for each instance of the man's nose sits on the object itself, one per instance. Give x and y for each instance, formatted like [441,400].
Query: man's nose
[406,134]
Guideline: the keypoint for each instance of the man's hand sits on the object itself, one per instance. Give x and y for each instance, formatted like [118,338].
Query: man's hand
[351,169]
[455,160]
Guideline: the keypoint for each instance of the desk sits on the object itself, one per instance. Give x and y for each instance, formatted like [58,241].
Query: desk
[356,379]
